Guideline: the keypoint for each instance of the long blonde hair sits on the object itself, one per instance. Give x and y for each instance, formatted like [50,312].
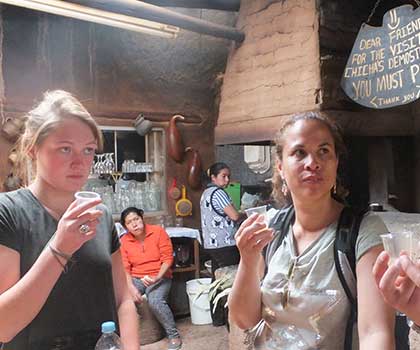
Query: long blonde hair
[55,107]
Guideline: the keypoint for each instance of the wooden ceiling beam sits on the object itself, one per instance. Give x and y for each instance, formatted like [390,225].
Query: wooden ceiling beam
[392,122]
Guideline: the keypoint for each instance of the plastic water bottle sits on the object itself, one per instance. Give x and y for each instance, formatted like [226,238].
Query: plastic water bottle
[109,340]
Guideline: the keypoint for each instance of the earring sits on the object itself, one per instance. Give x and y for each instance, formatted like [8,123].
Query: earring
[284,188]
[334,189]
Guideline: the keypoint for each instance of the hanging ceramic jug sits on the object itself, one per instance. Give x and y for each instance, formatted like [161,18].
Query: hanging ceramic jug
[175,143]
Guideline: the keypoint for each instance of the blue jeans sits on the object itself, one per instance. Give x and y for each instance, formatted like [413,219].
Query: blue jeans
[157,294]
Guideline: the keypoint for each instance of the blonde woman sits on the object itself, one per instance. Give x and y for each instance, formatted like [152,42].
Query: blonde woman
[61,273]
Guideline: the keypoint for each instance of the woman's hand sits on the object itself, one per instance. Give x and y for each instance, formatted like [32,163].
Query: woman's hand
[399,284]
[252,236]
[69,236]
[148,280]
[135,293]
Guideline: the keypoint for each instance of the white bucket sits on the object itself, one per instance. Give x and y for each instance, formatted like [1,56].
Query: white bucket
[198,295]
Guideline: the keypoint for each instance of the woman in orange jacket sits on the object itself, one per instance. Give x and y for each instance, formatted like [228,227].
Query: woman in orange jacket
[148,256]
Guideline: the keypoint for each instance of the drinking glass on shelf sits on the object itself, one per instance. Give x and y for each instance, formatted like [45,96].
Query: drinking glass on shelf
[139,198]
[169,222]
[132,166]
[108,201]
[96,164]
[122,200]
[101,166]
[109,165]
[104,163]
[154,197]
[179,222]
[162,221]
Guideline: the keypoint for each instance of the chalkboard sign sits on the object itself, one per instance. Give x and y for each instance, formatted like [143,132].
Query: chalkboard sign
[383,69]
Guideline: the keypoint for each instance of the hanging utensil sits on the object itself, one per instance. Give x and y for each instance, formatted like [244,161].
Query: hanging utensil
[174,192]
[142,125]
[174,140]
[13,128]
[183,206]
[194,169]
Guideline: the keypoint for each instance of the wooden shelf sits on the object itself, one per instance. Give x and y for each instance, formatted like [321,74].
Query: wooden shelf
[184,269]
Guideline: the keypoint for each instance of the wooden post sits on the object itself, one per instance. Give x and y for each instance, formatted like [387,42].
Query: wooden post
[197,258]
[380,163]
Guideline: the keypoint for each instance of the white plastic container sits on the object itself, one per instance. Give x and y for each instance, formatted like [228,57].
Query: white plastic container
[198,295]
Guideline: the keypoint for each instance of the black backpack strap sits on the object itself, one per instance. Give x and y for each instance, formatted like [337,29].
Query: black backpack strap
[280,223]
[345,262]
[211,202]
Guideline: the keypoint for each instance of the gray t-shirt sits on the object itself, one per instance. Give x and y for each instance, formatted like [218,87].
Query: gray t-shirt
[82,298]
[303,299]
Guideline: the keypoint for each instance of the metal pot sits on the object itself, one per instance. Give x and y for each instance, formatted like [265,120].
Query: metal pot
[142,125]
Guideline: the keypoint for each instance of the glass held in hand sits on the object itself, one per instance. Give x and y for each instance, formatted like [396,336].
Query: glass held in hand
[396,243]
[86,196]
[415,254]
[262,210]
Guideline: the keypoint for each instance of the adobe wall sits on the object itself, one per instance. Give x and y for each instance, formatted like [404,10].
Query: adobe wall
[274,72]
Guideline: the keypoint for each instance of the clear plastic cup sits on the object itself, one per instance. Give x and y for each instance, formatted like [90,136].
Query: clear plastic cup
[262,210]
[395,243]
[86,196]
[416,245]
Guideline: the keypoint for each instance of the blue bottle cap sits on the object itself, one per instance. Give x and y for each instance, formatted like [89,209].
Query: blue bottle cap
[108,327]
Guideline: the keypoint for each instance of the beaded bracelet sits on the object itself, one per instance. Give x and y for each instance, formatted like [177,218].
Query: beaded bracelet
[57,254]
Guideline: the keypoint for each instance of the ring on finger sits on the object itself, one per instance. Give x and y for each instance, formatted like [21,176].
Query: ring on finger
[84,228]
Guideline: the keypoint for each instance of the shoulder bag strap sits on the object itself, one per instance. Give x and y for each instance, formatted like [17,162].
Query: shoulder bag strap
[211,202]
[280,223]
[345,262]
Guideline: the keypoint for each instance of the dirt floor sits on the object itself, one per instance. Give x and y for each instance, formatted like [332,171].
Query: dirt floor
[203,337]
[207,337]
